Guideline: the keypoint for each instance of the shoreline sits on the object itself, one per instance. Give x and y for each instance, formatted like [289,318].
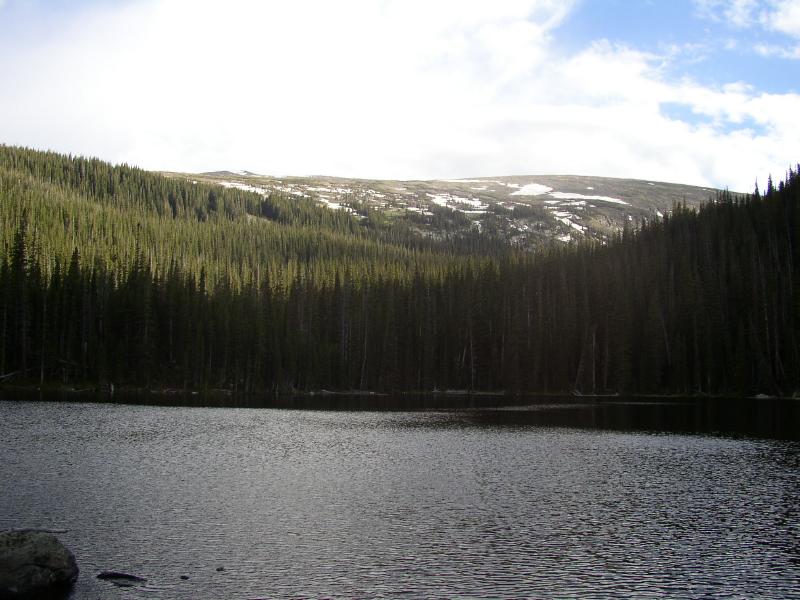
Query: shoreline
[218,396]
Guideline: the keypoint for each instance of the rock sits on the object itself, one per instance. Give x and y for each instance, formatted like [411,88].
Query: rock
[220,569]
[34,564]
[121,579]
[184,577]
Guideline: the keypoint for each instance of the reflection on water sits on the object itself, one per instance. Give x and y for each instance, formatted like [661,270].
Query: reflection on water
[764,418]
[574,498]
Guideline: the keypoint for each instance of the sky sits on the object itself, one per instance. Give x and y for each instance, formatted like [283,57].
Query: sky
[704,92]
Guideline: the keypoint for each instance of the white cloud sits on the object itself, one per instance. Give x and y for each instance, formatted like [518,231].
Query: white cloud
[739,13]
[772,51]
[615,124]
[775,15]
[769,17]
[402,89]
[783,16]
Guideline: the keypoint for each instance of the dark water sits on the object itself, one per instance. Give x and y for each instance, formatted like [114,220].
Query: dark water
[603,499]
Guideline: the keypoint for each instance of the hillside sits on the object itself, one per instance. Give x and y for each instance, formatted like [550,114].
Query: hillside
[113,216]
[526,211]
[110,273]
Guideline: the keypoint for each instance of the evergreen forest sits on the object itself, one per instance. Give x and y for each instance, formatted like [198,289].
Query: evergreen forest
[115,274]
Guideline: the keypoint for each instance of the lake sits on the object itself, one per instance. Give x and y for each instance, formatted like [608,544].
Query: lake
[602,498]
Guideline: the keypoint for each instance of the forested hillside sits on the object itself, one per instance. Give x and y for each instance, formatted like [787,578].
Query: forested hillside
[116,274]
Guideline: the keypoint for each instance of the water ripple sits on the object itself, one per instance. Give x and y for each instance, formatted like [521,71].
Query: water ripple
[342,505]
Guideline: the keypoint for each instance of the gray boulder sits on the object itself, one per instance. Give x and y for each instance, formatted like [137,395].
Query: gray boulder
[34,564]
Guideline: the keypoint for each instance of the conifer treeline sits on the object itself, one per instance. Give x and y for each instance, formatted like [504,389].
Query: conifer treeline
[697,302]
[115,215]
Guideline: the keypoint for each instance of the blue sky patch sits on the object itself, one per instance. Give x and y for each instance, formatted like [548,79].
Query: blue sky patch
[709,50]
[679,111]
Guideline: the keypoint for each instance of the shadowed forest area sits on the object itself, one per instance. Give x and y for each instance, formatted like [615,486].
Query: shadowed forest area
[111,273]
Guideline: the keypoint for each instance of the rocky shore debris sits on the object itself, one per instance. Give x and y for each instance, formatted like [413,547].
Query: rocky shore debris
[35,564]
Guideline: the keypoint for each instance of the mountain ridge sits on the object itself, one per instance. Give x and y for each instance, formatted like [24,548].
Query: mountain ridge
[526,210]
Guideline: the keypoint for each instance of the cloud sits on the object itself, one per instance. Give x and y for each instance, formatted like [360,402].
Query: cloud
[738,13]
[778,20]
[396,89]
[783,16]
[619,95]
[771,50]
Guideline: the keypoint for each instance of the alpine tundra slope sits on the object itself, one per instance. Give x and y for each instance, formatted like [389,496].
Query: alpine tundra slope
[526,210]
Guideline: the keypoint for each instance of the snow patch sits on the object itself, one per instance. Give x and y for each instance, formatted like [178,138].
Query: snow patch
[469,201]
[243,186]
[532,189]
[575,204]
[439,199]
[575,226]
[290,190]
[571,196]
[422,211]
[335,205]
[445,200]
[462,180]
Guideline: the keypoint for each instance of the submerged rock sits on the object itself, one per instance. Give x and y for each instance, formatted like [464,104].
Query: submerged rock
[121,579]
[34,564]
